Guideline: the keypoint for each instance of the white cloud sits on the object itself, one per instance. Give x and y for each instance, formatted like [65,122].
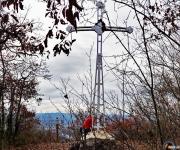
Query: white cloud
[77,61]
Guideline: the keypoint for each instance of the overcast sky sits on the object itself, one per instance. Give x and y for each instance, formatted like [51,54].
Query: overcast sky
[76,63]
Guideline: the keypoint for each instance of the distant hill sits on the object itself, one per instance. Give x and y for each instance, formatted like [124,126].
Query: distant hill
[50,119]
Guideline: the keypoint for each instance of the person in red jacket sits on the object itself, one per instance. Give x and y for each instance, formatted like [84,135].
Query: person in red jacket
[86,127]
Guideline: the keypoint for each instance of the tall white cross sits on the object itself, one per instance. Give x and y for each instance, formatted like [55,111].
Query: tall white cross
[98,103]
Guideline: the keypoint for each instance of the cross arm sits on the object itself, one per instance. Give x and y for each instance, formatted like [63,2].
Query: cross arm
[119,29]
[107,28]
[83,28]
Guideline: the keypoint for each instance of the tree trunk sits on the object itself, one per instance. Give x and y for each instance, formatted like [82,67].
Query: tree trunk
[10,116]
[2,90]
[17,116]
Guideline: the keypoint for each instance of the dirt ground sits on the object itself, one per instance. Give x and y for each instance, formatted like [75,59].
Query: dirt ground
[49,146]
[61,146]
[68,146]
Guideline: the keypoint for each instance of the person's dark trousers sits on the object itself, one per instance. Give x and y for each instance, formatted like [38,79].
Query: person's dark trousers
[84,132]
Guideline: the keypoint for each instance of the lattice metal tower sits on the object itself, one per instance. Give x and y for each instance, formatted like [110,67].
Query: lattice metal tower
[98,103]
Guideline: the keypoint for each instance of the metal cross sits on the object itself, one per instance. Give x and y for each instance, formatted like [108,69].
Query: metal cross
[98,104]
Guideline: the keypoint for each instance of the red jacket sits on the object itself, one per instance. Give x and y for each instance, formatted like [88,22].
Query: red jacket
[88,122]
